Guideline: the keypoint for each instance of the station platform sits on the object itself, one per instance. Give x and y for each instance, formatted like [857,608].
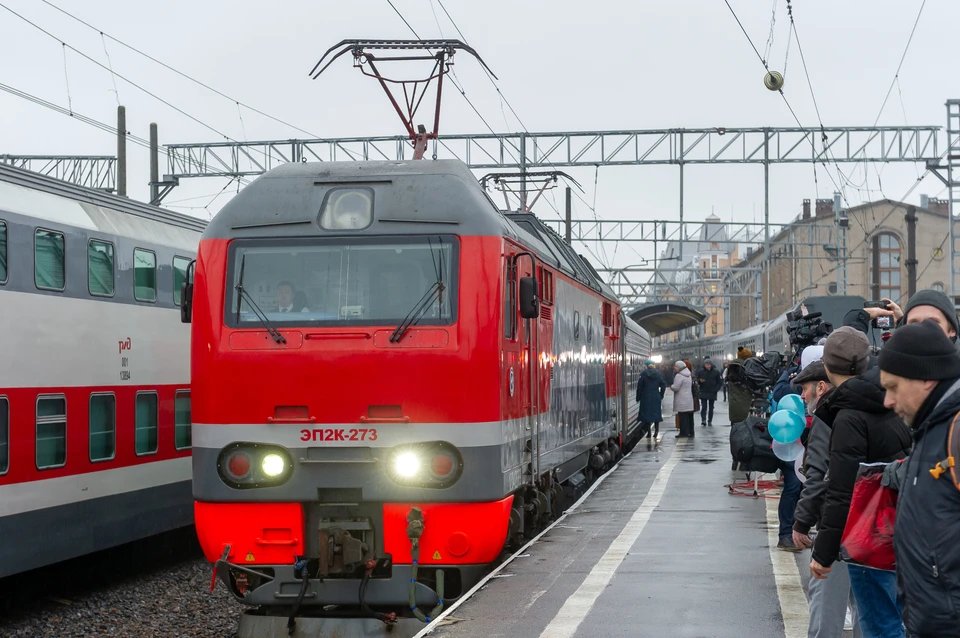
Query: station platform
[659,548]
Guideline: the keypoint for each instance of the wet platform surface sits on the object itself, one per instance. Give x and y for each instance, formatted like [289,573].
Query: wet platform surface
[660,548]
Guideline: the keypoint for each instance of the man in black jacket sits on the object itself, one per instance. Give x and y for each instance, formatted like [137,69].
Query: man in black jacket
[920,370]
[863,431]
[828,597]
[710,383]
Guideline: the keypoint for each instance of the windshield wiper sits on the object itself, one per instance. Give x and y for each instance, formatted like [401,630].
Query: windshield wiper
[434,292]
[244,295]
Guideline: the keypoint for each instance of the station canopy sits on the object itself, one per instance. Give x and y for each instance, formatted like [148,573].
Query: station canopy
[659,318]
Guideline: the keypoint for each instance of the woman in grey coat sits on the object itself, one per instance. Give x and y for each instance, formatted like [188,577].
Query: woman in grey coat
[683,398]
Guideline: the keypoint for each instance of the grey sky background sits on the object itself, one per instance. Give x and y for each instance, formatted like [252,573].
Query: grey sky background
[563,66]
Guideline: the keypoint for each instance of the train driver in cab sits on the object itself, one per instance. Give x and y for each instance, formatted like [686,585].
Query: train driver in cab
[288,300]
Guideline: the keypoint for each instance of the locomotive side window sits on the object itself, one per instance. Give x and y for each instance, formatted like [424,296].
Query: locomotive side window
[146,423]
[3,252]
[179,276]
[100,268]
[4,435]
[48,260]
[51,432]
[355,281]
[144,275]
[103,427]
[182,421]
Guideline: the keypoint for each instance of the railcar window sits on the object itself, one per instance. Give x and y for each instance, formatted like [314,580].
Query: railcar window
[49,269]
[103,427]
[100,268]
[179,276]
[344,281]
[182,421]
[51,432]
[146,426]
[144,275]
[4,435]
[3,252]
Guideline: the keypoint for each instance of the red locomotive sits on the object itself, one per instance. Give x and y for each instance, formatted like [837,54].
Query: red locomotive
[391,380]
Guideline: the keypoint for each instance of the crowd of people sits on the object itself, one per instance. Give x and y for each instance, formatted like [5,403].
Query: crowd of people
[899,410]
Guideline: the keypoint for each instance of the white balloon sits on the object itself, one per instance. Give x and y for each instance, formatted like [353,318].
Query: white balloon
[788,451]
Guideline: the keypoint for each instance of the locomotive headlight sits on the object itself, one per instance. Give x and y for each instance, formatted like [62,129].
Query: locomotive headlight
[433,464]
[244,465]
[273,465]
[406,465]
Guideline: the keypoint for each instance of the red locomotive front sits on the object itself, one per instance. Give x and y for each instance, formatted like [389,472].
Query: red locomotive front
[346,366]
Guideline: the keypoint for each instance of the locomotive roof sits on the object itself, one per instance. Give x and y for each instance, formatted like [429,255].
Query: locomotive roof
[412,197]
[101,199]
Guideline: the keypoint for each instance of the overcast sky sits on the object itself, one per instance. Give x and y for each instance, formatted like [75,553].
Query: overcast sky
[563,66]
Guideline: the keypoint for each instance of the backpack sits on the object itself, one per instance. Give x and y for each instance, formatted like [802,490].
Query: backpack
[751,446]
[949,464]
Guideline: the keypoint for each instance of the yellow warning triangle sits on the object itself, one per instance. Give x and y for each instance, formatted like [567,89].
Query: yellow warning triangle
[250,557]
[436,555]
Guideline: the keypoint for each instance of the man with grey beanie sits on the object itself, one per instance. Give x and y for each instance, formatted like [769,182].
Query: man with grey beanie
[920,370]
[863,431]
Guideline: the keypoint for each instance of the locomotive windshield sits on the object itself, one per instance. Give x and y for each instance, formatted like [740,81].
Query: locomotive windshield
[343,281]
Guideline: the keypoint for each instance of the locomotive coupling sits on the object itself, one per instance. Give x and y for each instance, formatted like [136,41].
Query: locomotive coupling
[415,525]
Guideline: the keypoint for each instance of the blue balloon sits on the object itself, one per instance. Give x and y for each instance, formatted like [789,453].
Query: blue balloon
[794,403]
[786,426]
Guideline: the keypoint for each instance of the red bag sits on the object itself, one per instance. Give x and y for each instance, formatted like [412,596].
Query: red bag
[868,536]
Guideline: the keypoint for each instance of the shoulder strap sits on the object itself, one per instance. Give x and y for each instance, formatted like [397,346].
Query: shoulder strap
[949,464]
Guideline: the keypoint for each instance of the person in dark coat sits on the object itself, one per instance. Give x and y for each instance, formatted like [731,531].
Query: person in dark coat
[650,390]
[710,382]
[740,394]
[920,370]
[863,431]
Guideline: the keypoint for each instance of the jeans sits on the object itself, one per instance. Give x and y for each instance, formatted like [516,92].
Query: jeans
[828,604]
[703,410]
[788,498]
[877,605]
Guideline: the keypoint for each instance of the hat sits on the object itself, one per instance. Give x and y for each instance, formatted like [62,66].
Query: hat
[813,372]
[680,364]
[648,362]
[936,299]
[809,355]
[846,351]
[744,353]
[920,351]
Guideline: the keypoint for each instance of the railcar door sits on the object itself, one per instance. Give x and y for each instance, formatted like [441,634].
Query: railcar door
[519,398]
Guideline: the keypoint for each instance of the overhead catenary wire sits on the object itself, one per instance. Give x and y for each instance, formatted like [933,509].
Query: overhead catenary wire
[177,71]
[124,78]
[71,113]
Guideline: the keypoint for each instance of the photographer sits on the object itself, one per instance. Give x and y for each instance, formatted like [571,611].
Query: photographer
[924,304]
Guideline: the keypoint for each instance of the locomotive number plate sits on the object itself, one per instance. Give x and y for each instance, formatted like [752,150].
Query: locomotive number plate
[332,434]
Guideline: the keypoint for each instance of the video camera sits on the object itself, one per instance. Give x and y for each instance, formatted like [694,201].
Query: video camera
[806,329]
